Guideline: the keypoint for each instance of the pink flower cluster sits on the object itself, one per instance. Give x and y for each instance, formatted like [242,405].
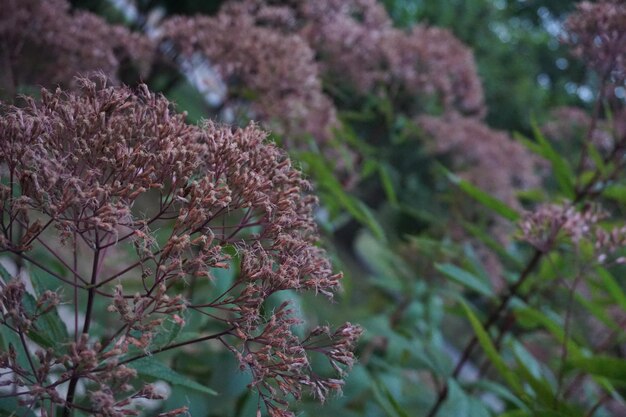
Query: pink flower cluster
[93,176]
[45,43]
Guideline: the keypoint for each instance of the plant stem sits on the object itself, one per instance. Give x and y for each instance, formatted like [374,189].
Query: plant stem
[177,345]
[69,399]
[493,317]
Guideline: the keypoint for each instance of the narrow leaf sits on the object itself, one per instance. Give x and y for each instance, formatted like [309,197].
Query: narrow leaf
[4,274]
[493,244]
[563,173]
[465,278]
[330,184]
[49,323]
[385,179]
[483,197]
[612,287]
[491,351]
[152,368]
[9,407]
[604,366]
[530,315]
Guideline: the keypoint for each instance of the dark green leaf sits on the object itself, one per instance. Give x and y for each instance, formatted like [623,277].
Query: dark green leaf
[9,338]
[492,353]
[563,173]
[386,399]
[604,366]
[387,182]
[612,287]
[49,323]
[153,368]
[465,278]
[4,274]
[40,332]
[483,197]
[530,316]
[9,407]
[327,181]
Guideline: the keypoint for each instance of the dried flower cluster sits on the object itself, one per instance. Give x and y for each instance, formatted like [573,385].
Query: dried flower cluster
[573,124]
[597,33]
[277,72]
[44,43]
[271,77]
[357,45]
[105,172]
[548,225]
[566,124]
[478,152]
[543,227]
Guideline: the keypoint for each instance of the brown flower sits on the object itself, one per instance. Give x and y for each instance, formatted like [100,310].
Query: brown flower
[46,43]
[110,171]
[597,33]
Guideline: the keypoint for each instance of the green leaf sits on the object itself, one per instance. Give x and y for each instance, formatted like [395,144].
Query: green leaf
[153,368]
[612,287]
[596,157]
[6,276]
[493,244]
[42,281]
[50,324]
[477,407]
[492,352]
[386,400]
[563,173]
[599,311]
[483,197]
[530,316]
[366,216]
[457,401]
[615,192]
[39,332]
[604,366]
[7,338]
[327,182]
[9,407]
[385,179]
[502,392]
[169,331]
[543,391]
[516,413]
[465,278]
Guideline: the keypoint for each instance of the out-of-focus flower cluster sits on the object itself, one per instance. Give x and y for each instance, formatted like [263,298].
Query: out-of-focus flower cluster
[357,45]
[597,34]
[551,225]
[478,152]
[354,44]
[271,76]
[45,43]
[571,124]
[110,171]
[270,57]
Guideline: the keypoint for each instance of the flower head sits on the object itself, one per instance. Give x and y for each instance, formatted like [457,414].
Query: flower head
[109,171]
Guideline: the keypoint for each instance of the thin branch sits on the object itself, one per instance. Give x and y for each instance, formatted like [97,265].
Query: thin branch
[177,345]
[69,399]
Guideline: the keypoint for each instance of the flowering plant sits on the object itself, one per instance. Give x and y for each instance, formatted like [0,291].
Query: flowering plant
[138,210]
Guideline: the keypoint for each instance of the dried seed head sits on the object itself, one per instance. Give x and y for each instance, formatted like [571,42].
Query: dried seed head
[107,167]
